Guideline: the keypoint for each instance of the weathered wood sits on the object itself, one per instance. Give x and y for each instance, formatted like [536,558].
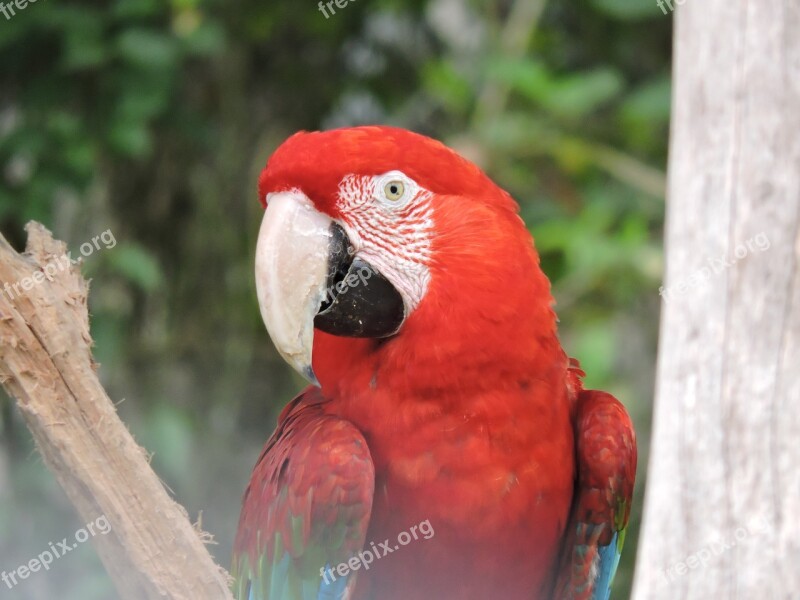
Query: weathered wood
[152,551]
[723,492]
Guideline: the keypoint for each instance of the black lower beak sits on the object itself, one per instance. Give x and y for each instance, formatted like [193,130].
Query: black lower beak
[358,301]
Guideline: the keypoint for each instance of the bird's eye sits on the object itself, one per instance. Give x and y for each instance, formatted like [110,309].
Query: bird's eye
[394,190]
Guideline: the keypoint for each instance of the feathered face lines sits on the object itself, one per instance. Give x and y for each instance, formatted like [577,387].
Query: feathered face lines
[389,221]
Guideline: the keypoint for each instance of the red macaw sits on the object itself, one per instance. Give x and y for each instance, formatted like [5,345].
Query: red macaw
[446,448]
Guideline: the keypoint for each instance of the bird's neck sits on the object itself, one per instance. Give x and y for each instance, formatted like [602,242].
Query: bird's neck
[485,329]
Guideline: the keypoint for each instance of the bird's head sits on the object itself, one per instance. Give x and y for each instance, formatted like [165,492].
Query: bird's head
[367,227]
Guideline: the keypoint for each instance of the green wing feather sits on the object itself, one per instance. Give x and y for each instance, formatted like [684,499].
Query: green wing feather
[306,509]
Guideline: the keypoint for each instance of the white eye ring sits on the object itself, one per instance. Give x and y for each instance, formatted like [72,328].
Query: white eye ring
[395,188]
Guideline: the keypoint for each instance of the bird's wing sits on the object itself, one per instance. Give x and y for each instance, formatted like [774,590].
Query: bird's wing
[606,467]
[306,508]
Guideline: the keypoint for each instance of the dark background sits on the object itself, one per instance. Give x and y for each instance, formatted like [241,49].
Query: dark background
[153,119]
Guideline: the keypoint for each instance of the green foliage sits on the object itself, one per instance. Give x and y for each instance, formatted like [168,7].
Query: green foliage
[137,265]
[627,9]
[570,96]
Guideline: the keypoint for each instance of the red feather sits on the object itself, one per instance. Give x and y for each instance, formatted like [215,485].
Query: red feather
[470,412]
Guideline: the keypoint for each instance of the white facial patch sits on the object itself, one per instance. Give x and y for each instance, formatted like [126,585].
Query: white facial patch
[389,220]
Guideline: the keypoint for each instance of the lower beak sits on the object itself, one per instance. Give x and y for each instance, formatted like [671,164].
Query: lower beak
[307,275]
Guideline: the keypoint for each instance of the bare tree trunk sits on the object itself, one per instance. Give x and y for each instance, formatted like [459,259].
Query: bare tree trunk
[152,550]
[722,510]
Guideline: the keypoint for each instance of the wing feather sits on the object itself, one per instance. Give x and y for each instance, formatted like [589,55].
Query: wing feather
[306,509]
[606,468]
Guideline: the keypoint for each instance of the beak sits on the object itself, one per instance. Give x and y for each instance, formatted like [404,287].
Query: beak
[307,276]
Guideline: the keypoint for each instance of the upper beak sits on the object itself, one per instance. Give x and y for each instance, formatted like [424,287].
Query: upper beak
[307,275]
[291,269]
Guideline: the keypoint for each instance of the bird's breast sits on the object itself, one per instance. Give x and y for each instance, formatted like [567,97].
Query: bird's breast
[491,492]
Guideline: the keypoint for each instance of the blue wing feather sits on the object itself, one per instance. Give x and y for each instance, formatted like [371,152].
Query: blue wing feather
[333,590]
[609,561]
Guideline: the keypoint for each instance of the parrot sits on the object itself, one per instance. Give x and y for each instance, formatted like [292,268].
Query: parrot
[445,446]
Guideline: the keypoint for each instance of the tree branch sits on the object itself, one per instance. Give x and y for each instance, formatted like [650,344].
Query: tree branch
[46,364]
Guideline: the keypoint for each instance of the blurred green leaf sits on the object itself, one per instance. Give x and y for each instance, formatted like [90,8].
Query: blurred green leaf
[168,435]
[143,103]
[577,95]
[594,345]
[571,96]
[445,83]
[628,9]
[519,131]
[529,77]
[206,39]
[137,265]
[131,9]
[85,47]
[650,101]
[149,49]
[131,138]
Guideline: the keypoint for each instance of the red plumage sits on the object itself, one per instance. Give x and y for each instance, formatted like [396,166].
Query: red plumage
[472,410]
